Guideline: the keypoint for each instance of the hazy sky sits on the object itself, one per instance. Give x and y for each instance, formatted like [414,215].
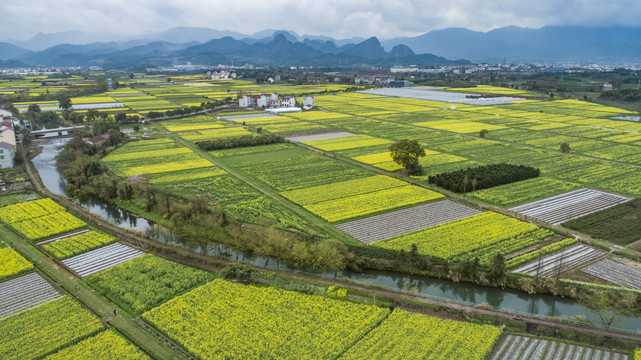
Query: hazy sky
[337,18]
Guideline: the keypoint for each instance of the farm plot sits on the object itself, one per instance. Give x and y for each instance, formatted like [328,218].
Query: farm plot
[320,136]
[146,282]
[350,207]
[77,244]
[405,335]
[100,259]
[237,118]
[12,263]
[43,329]
[234,321]
[560,208]
[383,226]
[566,260]
[481,235]
[346,142]
[39,219]
[616,273]
[515,347]
[24,292]
[107,345]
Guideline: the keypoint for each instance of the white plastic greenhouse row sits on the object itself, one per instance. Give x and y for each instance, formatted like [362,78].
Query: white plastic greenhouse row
[24,292]
[569,259]
[528,348]
[383,226]
[561,208]
[100,259]
[615,273]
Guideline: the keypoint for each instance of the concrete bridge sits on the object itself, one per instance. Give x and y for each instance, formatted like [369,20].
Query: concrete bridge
[60,130]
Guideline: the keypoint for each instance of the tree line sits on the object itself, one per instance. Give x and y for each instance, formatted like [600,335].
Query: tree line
[483,177]
[240,141]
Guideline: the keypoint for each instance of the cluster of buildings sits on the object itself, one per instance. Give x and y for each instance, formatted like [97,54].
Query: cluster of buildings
[272,101]
[7,141]
[223,74]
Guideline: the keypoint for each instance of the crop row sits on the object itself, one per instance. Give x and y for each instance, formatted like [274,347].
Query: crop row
[78,244]
[29,210]
[45,328]
[338,190]
[480,235]
[528,348]
[239,201]
[186,175]
[12,264]
[24,292]
[616,273]
[549,249]
[146,282]
[406,335]
[215,133]
[48,225]
[394,223]
[100,259]
[198,122]
[568,259]
[114,157]
[346,142]
[228,320]
[107,345]
[370,203]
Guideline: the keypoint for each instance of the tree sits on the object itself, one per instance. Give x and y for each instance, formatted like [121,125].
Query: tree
[497,268]
[406,153]
[483,132]
[565,148]
[607,306]
[92,114]
[65,103]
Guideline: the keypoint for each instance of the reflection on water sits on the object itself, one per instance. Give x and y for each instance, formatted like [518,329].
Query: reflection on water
[45,163]
[506,299]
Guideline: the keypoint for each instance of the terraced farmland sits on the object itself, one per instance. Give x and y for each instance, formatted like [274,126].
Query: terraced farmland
[561,208]
[515,347]
[616,273]
[383,226]
[100,259]
[566,260]
[24,292]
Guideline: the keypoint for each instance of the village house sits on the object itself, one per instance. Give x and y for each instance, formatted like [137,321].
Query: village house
[288,101]
[7,144]
[308,101]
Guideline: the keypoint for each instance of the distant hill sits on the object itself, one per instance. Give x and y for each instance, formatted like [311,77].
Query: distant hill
[551,44]
[614,45]
[10,51]
[281,48]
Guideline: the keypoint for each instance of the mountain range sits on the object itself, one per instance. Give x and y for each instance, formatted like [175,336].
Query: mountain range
[550,44]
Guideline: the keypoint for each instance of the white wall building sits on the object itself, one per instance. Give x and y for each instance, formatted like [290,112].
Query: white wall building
[288,101]
[246,101]
[263,100]
[308,101]
[7,145]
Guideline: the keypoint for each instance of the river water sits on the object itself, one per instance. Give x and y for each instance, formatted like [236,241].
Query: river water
[503,299]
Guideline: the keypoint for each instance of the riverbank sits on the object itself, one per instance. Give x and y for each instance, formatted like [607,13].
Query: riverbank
[419,288]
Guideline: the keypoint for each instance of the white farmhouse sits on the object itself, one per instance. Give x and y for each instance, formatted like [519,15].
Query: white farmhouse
[308,101]
[274,103]
[7,145]
[288,101]
[246,101]
[262,100]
